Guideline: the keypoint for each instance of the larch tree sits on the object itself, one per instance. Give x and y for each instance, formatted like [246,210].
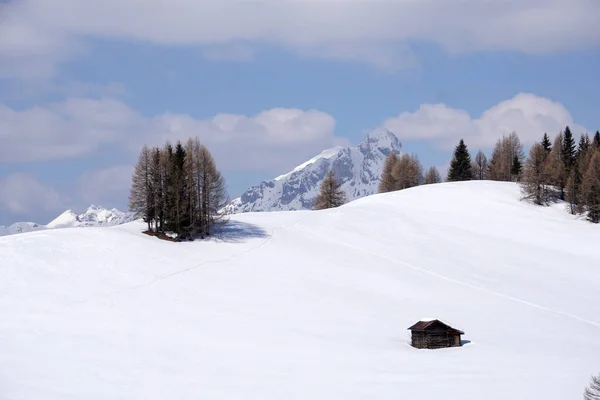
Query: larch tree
[574,189]
[331,194]
[534,183]
[556,167]
[432,175]
[480,166]
[592,391]
[386,184]
[407,172]
[503,157]
[591,188]
[460,166]
[141,197]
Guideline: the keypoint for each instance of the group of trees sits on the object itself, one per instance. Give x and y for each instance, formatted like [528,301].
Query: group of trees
[559,169]
[565,171]
[178,189]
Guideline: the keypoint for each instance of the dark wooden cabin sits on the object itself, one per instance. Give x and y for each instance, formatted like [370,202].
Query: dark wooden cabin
[434,334]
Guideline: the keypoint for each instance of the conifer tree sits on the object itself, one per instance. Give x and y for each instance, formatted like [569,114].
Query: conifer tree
[503,155]
[534,182]
[515,169]
[141,195]
[568,150]
[432,176]
[591,188]
[480,166]
[460,166]
[556,167]
[546,143]
[407,172]
[387,183]
[331,194]
[596,141]
[592,391]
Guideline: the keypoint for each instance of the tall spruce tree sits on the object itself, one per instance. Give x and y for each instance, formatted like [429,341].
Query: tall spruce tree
[546,143]
[460,166]
[515,169]
[568,150]
[331,194]
[596,141]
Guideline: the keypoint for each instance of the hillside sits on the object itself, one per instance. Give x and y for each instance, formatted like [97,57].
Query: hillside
[310,304]
[358,168]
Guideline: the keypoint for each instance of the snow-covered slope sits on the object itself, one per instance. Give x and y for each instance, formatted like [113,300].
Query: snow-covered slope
[310,304]
[359,168]
[93,216]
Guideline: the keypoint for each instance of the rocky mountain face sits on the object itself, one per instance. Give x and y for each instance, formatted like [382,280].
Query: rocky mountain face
[94,216]
[358,168]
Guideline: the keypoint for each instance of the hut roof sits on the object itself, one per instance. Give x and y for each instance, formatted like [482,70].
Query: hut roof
[429,324]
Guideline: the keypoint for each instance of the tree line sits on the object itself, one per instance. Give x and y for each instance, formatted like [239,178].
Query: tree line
[178,189]
[561,169]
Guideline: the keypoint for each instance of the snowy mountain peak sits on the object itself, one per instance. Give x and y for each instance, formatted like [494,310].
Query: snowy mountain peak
[93,216]
[358,168]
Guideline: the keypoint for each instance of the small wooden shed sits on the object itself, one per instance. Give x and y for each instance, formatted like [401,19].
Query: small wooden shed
[434,334]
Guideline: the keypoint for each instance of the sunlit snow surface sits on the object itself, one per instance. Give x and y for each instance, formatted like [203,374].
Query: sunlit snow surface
[310,304]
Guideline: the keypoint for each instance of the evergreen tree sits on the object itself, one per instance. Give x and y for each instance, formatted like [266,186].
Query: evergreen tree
[568,150]
[387,183]
[534,182]
[591,188]
[546,143]
[596,142]
[432,176]
[574,190]
[331,194]
[592,391]
[515,169]
[460,166]
[180,211]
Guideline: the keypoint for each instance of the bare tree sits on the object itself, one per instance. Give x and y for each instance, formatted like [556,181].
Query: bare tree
[556,167]
[480,166]
[592,392]
[432,176]
[141,197]
[214,192]
[331,194]
[407,172]
[502,162]
[387,183]
[534,182]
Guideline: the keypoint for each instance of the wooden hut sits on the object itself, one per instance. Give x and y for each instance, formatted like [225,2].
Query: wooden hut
[434,334]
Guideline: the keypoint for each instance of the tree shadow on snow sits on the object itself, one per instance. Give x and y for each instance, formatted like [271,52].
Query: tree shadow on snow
[236,231]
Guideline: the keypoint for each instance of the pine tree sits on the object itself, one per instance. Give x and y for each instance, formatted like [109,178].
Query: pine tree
[596,142]
[331,194]
[592,391]
[546,143]
[432,176]
[534,182]
[141,196]
[591,188]
[180,210]
[387,180]
[460,166]
[480,166]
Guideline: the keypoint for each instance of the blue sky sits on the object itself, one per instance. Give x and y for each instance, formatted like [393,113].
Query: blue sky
[268,85]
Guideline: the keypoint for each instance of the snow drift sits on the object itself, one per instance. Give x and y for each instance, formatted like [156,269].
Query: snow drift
[310,304]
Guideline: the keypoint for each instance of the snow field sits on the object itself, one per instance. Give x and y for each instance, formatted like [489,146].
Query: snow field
[310,304]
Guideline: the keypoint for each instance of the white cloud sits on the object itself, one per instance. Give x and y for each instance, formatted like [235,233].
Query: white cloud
[38,33]
[529,115]
[268,141]
[22,194]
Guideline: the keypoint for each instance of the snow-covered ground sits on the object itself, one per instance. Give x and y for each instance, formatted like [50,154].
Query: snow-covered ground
[310,304]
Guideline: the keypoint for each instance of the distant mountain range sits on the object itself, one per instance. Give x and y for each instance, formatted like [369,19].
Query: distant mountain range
[94,216]
[358,168]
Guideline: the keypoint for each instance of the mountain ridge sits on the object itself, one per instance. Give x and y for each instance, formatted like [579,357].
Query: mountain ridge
[94,216]
[358,168]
